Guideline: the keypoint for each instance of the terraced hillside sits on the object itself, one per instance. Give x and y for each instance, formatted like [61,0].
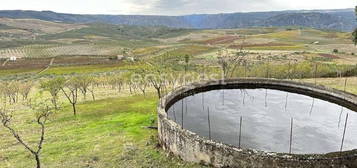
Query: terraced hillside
[109,42]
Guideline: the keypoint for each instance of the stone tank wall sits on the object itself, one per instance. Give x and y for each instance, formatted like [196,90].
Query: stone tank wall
[194,148]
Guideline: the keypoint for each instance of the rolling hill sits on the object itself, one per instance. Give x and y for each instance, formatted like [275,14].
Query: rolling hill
[22,32]
[341,19]
[39,26]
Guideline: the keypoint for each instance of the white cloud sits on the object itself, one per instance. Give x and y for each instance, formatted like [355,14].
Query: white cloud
[171,7]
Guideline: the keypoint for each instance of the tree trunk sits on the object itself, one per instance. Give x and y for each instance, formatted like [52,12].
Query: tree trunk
[158,92]
[74,109]
[54,101]
[38,163]
[93,97]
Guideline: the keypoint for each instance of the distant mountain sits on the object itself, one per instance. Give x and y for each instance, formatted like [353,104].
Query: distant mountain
[312,19]
[341,19]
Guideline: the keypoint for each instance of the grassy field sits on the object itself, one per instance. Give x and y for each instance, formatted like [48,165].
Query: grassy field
[4,73]
[337,83]
[104,137]
[98,137]
[87,69]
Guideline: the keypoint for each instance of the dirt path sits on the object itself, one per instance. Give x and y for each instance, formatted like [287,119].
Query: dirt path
[5,62]
[51,62]
[49,65]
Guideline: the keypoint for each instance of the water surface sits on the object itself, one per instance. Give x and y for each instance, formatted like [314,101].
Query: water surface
[267,116]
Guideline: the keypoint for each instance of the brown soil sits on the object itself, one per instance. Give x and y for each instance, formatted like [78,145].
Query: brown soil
[329,56]
[221,40]
[258,45]
[40,63]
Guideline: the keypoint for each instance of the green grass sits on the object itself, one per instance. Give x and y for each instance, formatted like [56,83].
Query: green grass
[179,54]
[288,47]
[9,72]
[146,50]
[307,36]
[337,83]
[106,133]
[89,69]
[120,32]
[66,70]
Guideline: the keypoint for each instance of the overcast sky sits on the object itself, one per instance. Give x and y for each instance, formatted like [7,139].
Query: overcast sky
[171,7]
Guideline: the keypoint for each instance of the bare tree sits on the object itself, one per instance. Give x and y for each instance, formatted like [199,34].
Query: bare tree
[70,90]
[84,83]
[187,62]
[53,86]
[25,88]
[157,80]
[138,79]
[230,61]
[10,91]
[174,78]
[42,115]
[117,82]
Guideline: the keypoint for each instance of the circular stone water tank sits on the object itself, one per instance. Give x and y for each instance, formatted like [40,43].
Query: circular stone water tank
[260,123]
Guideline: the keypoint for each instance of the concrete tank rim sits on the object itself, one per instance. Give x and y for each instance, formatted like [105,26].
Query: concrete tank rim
[165,101]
